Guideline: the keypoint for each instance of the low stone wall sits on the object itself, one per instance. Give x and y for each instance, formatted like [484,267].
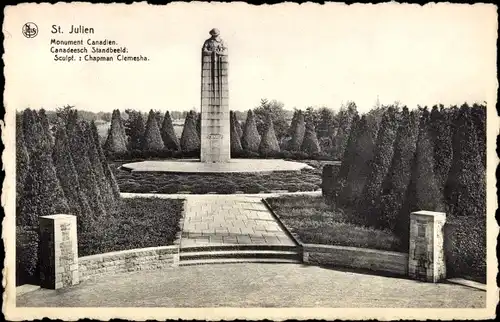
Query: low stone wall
[352,257]
[128,261]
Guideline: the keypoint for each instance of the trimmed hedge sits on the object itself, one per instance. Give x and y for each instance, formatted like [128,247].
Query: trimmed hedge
[465,248]
[437,165]
[22,160]
[328,178]
[68,176]
[305,180]
[137,155]
[27,239]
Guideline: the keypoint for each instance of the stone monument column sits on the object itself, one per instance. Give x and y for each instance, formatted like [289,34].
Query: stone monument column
[215,131]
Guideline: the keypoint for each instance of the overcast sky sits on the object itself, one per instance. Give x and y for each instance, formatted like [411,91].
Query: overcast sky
[302,55]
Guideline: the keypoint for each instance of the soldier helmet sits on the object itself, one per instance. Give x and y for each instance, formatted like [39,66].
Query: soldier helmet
[215,32]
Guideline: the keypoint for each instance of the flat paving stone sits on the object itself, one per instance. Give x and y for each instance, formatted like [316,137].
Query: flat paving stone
[230,220]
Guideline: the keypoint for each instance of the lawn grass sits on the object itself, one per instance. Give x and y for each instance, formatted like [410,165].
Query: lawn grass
[222,183]
[316,223]
[137,223]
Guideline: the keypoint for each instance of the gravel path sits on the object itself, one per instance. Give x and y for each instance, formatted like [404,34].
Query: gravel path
[256,285]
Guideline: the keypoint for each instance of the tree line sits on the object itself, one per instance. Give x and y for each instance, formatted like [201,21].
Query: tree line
[418,160]
[265,132]
[60,168]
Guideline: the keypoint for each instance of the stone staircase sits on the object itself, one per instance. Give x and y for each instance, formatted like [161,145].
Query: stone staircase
[251,253]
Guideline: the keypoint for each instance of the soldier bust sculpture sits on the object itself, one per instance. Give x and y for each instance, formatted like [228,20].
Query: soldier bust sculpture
[214,44]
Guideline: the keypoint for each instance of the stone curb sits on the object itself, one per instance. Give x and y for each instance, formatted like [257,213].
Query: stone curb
[26,288]
[294,237]
[468,283]
[182,196]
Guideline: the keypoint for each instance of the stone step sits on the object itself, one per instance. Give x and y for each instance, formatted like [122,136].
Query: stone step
[237,247]
[230,254]
[238,260]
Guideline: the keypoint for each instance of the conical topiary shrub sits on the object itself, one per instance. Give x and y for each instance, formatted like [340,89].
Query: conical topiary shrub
[467,197]
[235,138]
[310,144]
[22,160]
[293,123]
[360,157]
[369,209]
[297,132]
[466,182]
[395,185]
[250,140]
[197,117]
[478,112]
[89,183]
[269,143]
[116,141]
[190,141]
[30,129]
[136,131]
[68,177]
[237,126]
[107,170]
[152,138]
[42,193]
[44,120]
[441,133]
[168,135]
[345,121]
[428,195]
[95,160]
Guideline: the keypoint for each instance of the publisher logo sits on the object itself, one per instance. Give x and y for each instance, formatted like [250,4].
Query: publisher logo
[30,30]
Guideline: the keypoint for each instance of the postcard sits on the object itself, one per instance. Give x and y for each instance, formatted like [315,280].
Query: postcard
[220,161]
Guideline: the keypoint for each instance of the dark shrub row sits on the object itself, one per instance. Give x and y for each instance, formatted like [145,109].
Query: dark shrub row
[418,160]
[60,170]
[243,154]
[124,141]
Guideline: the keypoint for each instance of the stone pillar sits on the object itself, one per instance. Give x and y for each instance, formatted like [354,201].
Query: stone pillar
[215,130]
[426,254]
[58,251]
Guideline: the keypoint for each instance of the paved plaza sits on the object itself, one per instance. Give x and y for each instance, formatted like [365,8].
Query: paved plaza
[212,220]
[255,285]
[230,220]
[233,166]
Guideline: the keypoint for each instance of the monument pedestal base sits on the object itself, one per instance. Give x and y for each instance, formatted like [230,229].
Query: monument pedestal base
[232,166]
